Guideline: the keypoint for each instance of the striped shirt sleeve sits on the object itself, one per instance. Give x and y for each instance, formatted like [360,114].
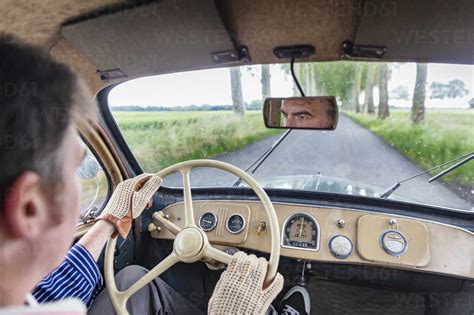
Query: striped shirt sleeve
[77,277]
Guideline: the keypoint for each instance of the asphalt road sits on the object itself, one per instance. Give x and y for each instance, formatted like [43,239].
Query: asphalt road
[350,152]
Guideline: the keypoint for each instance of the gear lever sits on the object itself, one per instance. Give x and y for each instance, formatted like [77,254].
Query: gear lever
[297,300]
[301,280]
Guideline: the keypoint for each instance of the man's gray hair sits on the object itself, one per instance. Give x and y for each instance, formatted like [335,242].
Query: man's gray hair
[37,100]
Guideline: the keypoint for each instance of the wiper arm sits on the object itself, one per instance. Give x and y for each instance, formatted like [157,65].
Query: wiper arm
[466,157]
[455,166]
[263,157]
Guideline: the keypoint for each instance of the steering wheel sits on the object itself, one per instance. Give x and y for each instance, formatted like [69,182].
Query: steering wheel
[191,243]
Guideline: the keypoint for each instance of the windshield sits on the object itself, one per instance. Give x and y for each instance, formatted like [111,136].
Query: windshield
[396,120]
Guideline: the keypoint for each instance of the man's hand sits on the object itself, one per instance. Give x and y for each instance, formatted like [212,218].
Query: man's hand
[240,288]
[129,200]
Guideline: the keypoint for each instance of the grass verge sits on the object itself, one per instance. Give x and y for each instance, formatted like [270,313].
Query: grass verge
[444,135]
[160,139]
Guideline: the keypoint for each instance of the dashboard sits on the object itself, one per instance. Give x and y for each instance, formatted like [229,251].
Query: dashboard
[335,235]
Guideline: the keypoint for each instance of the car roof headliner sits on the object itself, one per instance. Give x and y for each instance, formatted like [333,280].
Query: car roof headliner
[100,34]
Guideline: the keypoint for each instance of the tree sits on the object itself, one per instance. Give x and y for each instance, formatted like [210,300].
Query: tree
[471,103]
[384,74]
[307,77]
[355,93]
[265,80]
[456,89]
[369,89]
[438,90]
[236,89]
[418,106]
[337,78]
[400,93]
[453,89]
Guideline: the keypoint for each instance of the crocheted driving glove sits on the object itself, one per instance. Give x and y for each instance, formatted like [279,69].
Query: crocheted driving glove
[240,288]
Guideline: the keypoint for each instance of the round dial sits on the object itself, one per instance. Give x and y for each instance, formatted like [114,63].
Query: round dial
[208,221]
[301,231]
[394,243]
[235,224]
[340,246]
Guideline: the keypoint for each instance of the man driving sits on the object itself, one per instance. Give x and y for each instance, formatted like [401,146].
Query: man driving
[309,113]
[42,101]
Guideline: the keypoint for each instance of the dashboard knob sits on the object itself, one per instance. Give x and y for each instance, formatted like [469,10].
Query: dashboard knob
[341,223]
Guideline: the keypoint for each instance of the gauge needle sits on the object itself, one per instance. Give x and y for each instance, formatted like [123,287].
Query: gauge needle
[301,227]
[207,221]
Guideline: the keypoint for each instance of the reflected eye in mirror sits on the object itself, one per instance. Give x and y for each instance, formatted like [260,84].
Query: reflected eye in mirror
[320,113]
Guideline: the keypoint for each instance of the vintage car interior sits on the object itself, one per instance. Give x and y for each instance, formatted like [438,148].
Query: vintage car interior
[359,254]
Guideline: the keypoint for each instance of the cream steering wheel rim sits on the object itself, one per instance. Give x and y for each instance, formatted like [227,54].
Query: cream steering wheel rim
[191,243]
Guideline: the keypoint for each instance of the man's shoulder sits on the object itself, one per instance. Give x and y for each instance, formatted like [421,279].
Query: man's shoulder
[65,307]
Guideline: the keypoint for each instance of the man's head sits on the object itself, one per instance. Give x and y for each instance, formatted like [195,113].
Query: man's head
[39,153]
[309,113]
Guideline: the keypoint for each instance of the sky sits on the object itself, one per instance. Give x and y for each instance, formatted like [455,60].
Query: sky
[213,86]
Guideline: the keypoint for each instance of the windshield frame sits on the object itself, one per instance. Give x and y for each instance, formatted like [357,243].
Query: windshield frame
[364,203]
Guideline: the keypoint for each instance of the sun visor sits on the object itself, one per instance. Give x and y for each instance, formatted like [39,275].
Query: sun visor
[421,30]
[158,37]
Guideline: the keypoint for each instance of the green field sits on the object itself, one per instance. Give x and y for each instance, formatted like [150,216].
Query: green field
[443,135]
[160,139]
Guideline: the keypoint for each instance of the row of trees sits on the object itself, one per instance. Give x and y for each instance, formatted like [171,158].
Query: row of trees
[346,80]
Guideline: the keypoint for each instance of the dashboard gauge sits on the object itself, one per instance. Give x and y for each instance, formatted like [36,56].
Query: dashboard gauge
[208,221]
[340,246]
[235,224]
[394,243]
[301,231]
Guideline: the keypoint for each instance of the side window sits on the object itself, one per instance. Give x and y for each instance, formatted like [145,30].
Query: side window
[94,185]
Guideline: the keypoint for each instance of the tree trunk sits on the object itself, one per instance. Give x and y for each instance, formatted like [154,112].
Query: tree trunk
[265,80]
[312,81]
[316,88]
[369,89]
[296,92]
[418,107]
[299,69]
[383,91]
[307,79]
[354,102]
[236,88]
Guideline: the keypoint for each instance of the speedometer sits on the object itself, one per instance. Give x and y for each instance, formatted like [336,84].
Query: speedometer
[301,231]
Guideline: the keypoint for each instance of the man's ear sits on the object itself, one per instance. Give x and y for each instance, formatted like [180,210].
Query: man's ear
[25,207]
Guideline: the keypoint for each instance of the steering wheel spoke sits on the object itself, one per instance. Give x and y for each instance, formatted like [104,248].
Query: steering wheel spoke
[170,226]
[164,265]
[188,199]
[216,254]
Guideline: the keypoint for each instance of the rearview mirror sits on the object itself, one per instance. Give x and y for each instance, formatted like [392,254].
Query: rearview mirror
[301,112]
[89,168]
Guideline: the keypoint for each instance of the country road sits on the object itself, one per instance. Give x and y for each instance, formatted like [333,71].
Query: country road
[350,152]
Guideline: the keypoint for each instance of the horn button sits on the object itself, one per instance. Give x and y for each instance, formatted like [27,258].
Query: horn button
[188,244]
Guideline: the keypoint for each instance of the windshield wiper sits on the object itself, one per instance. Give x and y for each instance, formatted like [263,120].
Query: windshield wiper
[466,157]
[263,157]
[455,166]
